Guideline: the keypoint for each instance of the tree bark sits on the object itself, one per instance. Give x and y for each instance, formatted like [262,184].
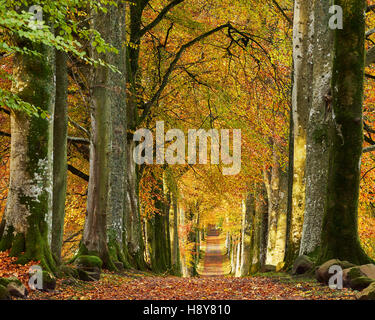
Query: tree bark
[276,184]
[60,134]
[28,218]
[248,210]
[103,231]
[318,129]
[340,224]
[176,260]
[261,208]
[116,222]
[301,100]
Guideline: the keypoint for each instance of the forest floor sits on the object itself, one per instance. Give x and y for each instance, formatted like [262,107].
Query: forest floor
[212,284]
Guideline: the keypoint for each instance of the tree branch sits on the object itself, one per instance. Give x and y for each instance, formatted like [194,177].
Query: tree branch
[5,110]
[5,134]
[370,32]
[369,149]
[282,12]
[78,173]
[160,17]
[370,56]
[147,106]
[79,140]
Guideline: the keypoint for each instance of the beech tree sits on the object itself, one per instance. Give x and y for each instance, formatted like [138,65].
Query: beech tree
[60,134]
[104,231]
[340,224]
[26,225]
[301,100]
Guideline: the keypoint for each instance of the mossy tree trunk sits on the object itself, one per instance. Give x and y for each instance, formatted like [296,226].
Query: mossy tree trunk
[318,129]
[248,210]
[158,231]
[116,222]
[259,230]
[261,213]
[103,231]
[60,132]
[28,218]
[168,229]
[133,79]
[176,259]
[340,224]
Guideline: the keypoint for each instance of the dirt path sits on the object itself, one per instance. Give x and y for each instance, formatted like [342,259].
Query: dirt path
[214,257]
[212,284]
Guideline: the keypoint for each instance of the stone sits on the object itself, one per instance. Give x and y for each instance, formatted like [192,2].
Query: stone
[89,261]
[368,293]
[49,281]
[14,286]
[4,294]
[302,265]
[86,274]
[360,283]
[5,281]
[268,268]
[17,290]
[360,277]
[322,273]
[368,270]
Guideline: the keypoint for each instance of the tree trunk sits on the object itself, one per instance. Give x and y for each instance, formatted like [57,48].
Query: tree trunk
[28,218]
[318,129]
[116,223]
[340,224]
[133,222]
[261,209]
[248,210]
[176,261]
[60,133]
[134,237]
[276,185]
[105,200]
[301,100]
[159,231]
[238,259]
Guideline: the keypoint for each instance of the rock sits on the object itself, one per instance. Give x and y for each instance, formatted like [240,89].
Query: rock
[89,261]
[360,283]
[49,281]
[89,275]
[5,281]
[17,290]
[302,265]
[368,270]
[268,268]
[4,294]
[368,293]
[322,273]
[358,278]
[14,286]
[89,268]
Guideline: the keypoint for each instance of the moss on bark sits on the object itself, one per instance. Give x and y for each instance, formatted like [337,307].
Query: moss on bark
[340,224]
